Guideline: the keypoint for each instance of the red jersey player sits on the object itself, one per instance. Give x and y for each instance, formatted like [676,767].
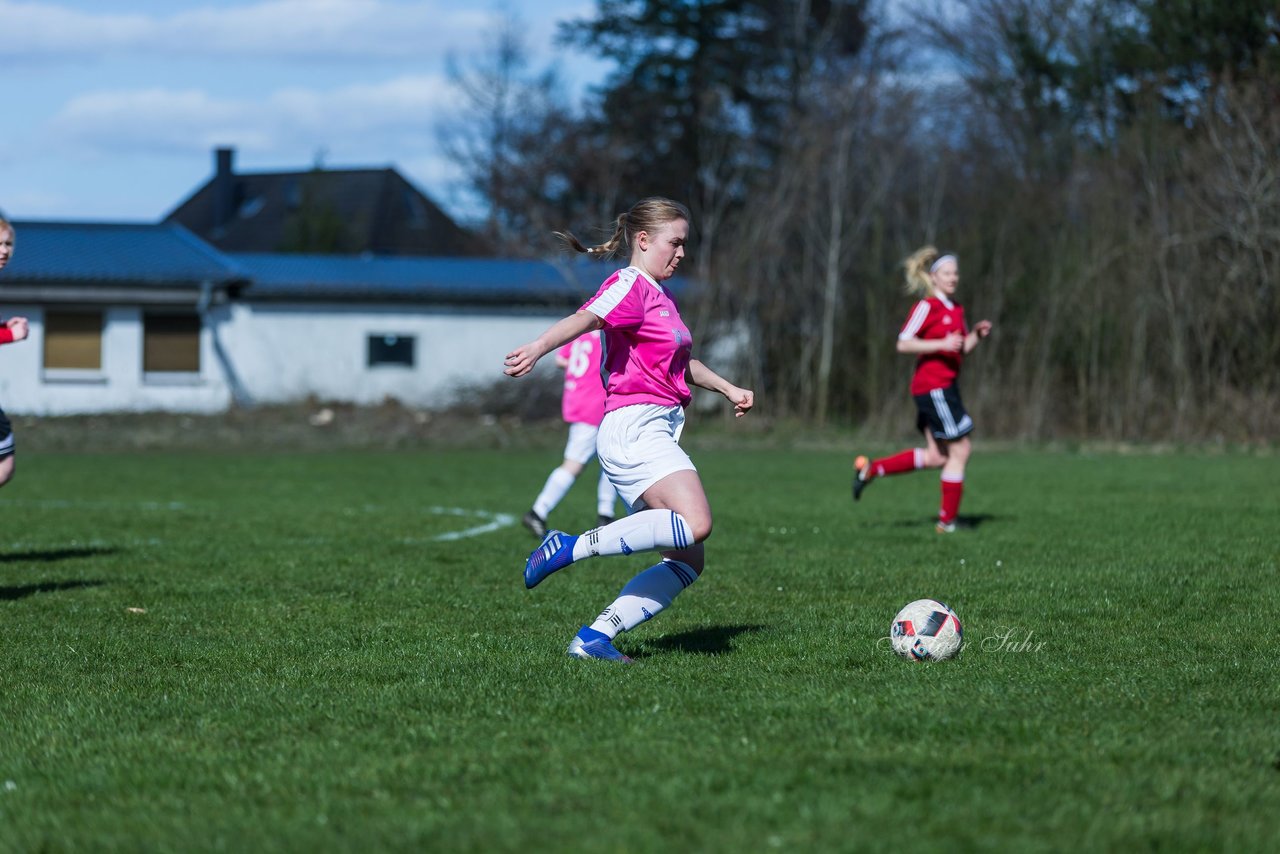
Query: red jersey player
[936,333]
[13,329]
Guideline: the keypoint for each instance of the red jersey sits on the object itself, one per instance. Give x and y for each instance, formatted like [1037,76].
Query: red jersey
[930,320]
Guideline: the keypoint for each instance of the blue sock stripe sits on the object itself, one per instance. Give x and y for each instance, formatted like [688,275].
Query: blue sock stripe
[679,533]
[680,572]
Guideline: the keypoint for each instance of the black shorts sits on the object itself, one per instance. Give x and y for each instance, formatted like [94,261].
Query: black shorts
[942,411]
[6,436]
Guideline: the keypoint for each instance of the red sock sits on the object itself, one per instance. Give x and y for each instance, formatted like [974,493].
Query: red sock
[900,463]
[951,492]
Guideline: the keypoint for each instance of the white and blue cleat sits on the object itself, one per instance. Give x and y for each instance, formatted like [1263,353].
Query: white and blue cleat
[555,552]
[588,643]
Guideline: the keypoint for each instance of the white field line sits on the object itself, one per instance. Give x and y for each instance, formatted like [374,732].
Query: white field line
[19,546]
[72,504]
[492,521]
[496,521]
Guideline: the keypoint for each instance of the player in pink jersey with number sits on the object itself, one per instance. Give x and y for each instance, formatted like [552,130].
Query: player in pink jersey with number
[648,359]
[582,405]
[936,333]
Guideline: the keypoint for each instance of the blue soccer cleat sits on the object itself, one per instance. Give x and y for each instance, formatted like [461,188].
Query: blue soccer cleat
[555,552]
[588,643]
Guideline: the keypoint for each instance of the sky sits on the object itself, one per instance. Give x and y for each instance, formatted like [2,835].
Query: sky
[110,109]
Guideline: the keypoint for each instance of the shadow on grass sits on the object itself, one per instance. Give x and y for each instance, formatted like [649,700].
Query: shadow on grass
[714,640]
[9,594]
[962,521]
[55,555]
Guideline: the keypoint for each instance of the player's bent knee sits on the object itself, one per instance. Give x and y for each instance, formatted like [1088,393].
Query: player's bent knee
[697,524]
[693,557]
[689,529]
[6,470]
[701,530]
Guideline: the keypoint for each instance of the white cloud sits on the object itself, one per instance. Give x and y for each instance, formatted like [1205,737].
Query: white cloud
[273,29]
[33,202]
[389,116]
[113,113]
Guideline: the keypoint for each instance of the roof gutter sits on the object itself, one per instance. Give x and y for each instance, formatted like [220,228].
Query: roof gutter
[115,295]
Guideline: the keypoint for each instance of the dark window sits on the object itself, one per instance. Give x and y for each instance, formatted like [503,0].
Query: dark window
[73,340]
[170,343]
[391,350]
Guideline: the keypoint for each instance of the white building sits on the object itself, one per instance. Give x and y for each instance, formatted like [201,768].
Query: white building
[137,317]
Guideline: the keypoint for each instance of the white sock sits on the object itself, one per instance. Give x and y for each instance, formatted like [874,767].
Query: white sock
[639,532]
[557,485]
[644,596]
[605,496]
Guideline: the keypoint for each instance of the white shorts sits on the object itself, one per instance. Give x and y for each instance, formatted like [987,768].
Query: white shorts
[581,446]
[639,445]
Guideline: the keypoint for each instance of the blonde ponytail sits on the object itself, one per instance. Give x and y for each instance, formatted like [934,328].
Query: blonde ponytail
[917,267]
[645,215]
[601,250]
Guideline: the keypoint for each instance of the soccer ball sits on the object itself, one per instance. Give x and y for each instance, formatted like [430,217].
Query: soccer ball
[926,630]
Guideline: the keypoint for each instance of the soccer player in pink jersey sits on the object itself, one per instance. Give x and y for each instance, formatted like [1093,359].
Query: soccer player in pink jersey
[13,329]
[936,333]
[582,405]
[649,364]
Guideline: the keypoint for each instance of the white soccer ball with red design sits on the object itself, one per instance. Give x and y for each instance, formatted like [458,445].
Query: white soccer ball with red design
[926,630]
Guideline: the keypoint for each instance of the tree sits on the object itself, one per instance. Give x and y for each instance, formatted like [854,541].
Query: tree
[689,71]
[504,105]
[315,227]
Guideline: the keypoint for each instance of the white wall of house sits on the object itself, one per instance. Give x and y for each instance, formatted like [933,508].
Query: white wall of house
[286,352]
[26,387]
[277,353]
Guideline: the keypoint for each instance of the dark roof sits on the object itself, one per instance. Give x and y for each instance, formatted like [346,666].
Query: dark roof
[453,280]
[347,211]
[160,255]
[124,262]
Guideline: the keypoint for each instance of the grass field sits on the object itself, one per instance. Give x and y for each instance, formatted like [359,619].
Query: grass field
[301,652]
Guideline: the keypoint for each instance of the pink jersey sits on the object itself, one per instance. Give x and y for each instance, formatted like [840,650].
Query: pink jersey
[583,400]
[647,345]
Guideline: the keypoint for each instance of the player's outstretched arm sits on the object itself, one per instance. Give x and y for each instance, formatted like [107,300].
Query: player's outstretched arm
[981,330]
[703,377]
[521,360]
[17,330]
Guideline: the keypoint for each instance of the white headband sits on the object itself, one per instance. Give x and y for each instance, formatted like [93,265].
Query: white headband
[933,268]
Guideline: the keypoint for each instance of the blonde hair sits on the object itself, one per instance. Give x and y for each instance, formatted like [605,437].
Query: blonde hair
[918,265]
[13,237]
[645,215]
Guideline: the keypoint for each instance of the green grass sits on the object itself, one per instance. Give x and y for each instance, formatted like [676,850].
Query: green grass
[314,669]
